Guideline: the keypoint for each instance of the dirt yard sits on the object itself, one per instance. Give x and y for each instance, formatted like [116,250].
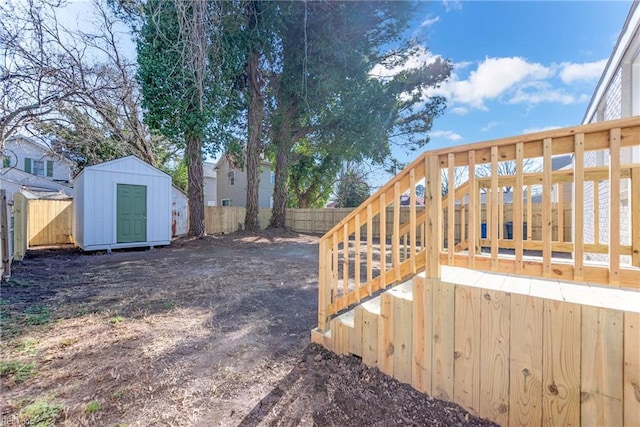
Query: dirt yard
[205,332]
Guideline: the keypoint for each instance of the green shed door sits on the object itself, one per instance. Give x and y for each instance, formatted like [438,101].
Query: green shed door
[131,213]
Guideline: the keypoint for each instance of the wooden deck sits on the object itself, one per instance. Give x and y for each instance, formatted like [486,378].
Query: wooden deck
[514,349]
[465,313]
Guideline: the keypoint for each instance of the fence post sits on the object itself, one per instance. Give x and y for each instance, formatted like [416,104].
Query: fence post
[19,226]
[4,236]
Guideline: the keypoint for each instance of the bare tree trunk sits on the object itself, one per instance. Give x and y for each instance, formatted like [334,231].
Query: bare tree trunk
[196,194]
[280,188]
[254,144]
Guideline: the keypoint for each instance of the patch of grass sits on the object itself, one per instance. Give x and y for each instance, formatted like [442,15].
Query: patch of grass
[37,315]
[40,414]
[27,347]
[93,407]
[116,319]
[119,394]
[17,371]
[169,305]
[14,281]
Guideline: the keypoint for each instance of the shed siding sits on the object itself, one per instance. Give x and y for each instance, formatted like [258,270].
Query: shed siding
[99,197]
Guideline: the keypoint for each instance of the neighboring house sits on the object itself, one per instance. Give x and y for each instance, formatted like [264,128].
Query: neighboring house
[616,96]
[210,178]
[29,156]
[14,181]
[232,184]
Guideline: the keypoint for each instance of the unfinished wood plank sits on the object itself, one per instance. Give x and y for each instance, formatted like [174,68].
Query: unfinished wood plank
[383,237]
[561,369]
[369,337]
[385,334]
[518,200]
[433,190]
[546,207]
[578,209]
[402,338]
[493,223]
[451,208]
[345,264]
[466,383]
[422,344]
[614,206]
[560,212]
[324,285]
[525,370]
[356,254]
[474,218]
[631,369]
[412,220]
[494,356]
[529,213]
[601,367]
[395,242]
[369,248]
[355,335]
[635,216]
[339,337]
[596,212]
[334,272]
[443,339]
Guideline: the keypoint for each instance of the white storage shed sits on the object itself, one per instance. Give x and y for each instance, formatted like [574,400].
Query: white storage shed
[123,203]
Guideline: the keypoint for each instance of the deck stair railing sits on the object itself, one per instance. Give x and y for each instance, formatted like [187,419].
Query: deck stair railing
[383,243]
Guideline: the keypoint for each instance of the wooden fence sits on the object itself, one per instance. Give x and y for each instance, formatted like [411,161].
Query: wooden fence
[41,222]
[319,221]
[229,219]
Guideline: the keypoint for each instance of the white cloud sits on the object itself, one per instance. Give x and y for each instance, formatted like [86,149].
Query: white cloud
[541,92]
[429,21]
[542,129]
[450,5]
[588,71]
[493,78]
[461,111]
[420,57]
[490,126]
[446,134]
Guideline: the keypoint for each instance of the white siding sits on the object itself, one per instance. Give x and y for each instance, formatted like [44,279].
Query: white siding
[98,196]
[18,149]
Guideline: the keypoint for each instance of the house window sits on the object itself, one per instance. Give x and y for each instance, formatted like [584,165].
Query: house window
[38,167]
[6,161]
[225,202]
[232,177]
[272,180]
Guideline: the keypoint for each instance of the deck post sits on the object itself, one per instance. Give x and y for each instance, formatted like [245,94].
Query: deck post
[433,190]
[324,286]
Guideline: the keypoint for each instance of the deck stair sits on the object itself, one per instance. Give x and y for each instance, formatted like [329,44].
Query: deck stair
[462,300]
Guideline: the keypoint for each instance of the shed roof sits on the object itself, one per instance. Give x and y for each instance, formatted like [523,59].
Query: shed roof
[123,161]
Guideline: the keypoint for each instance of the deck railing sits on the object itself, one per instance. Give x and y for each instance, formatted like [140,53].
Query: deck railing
[601,183]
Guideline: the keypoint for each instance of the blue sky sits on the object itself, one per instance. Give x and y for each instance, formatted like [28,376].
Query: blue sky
[519,66]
